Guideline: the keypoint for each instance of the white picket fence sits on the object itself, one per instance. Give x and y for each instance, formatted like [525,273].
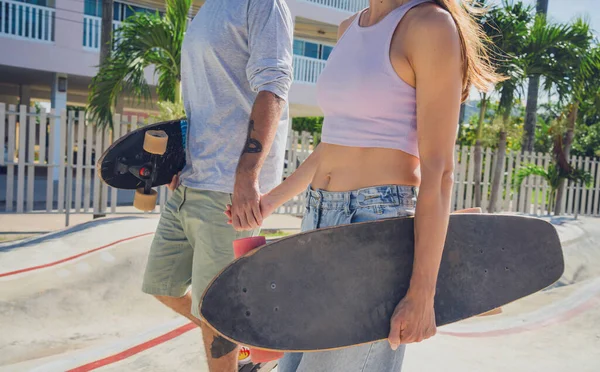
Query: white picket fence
[47,173]
[533,197]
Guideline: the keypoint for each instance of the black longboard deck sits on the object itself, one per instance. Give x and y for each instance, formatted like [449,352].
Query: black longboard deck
[124,157]
[338,286]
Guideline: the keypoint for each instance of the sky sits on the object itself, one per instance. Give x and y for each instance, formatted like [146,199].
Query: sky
[560,11]
[566,10]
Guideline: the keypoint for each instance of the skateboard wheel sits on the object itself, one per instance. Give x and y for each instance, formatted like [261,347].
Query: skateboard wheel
[495,311]
[244,245]
[155,142]
[145,202]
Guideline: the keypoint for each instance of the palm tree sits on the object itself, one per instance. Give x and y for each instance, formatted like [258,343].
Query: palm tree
[144,39]
[546,43]
[477,154]
[580,86]
[541,7]
[507,27]
[483,104]
[533,92]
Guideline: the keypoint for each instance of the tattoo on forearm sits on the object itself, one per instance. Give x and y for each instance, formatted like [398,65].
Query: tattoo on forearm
[252,146]
[221,347]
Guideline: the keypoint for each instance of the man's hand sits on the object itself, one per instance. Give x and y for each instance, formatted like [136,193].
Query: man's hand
[245,211]
[267,207]
[262,128]
[174,182]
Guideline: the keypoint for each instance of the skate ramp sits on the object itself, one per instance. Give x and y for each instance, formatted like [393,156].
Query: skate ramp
[71,301]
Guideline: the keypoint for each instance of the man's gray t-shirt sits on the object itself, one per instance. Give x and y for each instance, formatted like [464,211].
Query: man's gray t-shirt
[232,50]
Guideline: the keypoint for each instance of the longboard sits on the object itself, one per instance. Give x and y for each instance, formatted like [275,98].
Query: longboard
[337,287]
[145,158]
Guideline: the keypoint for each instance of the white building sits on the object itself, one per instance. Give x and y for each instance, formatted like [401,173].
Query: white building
[50,48]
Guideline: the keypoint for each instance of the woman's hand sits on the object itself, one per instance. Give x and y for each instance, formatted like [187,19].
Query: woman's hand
[414,317]
[267,207]
[413,320]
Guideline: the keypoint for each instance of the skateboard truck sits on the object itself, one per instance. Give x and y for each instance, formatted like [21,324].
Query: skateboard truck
[146,172]
[155,143]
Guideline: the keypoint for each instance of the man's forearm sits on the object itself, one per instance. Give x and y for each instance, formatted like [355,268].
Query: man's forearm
[262,127]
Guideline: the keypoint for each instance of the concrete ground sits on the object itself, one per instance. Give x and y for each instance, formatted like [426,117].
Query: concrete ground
[42,223]
[70,301]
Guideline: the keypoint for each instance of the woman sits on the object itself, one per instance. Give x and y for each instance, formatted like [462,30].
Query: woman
[391,94]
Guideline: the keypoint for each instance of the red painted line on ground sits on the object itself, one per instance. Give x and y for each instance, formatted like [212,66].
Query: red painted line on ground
[188,327]
[135,349]
[569,314]
[72,257]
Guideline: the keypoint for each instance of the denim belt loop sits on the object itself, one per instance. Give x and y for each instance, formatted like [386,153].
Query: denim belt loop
[398,194]
[319,208]
[307,197]
[347,200]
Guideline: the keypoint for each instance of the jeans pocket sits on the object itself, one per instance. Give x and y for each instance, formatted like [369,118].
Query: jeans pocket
[370,213]
[308,220]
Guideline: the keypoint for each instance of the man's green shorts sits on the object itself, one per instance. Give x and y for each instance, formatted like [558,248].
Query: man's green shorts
[193,243]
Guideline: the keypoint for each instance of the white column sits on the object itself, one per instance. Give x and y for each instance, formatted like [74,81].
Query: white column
[59,103]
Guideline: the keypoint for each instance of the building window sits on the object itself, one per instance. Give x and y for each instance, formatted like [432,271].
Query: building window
[123,11]
[93,8]
[298,47]
[326,51]
[120,10]
[34,2]
[311,50]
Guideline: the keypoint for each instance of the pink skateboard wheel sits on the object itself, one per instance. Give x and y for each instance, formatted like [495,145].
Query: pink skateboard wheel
[264,356]
[245,245]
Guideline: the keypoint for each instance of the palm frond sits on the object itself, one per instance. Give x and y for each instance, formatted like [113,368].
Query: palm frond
[145,39]
[562,63]
[529,170]
[507,26]
[169,111]
[579,175]
[115,76]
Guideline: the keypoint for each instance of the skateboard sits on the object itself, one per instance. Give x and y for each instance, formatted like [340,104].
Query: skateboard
[337,287]
[145,158]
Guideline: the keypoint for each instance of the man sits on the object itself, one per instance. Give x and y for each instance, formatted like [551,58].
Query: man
[236,72]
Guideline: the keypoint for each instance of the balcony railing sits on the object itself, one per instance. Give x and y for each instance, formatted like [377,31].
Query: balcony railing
[92,27]
[307,70]
[351,6]
[26,21]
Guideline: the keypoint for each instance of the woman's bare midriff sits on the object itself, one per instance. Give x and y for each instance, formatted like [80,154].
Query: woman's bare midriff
[343,168]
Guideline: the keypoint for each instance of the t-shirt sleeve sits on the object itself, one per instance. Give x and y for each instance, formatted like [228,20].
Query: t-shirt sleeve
[270,40]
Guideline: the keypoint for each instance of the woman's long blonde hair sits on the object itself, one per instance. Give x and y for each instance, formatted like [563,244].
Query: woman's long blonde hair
[478,70]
